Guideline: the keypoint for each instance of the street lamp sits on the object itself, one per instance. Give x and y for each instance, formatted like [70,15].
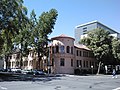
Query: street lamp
[92,69]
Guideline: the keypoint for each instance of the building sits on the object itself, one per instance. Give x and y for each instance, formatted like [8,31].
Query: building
[81,30]
[66,57]
[29,62]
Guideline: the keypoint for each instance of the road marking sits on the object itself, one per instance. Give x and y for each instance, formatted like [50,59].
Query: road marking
[117,88]
[3,88]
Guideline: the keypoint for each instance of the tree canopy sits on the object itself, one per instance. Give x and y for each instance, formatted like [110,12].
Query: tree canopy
[42,28]
[104,47]
[19,31]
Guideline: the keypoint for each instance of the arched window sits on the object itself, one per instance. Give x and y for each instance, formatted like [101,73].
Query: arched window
[71,50]
[68,49]
[57,49]
[62,49]
[53,50]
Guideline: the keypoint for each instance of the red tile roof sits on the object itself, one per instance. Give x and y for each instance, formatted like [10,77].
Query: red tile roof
[82,47]
[62,36]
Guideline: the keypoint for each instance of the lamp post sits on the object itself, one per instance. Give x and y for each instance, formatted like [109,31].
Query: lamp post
[92,69]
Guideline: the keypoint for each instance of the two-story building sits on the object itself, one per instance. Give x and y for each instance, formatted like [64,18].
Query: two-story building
[64,57]
[67,57]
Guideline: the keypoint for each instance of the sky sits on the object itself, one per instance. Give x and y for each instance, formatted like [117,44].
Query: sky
[72,13]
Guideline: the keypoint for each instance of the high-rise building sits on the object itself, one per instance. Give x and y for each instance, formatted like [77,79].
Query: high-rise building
[82,29]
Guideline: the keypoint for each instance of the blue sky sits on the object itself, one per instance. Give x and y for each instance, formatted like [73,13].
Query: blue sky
[75,12]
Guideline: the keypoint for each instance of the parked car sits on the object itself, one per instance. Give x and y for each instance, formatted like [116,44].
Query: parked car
[16,70]
[39,72]
[33,72]
[26,71]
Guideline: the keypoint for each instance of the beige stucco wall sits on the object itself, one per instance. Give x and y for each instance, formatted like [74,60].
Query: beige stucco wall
[67,68]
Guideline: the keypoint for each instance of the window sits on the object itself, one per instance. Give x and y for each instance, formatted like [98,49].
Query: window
[85,54]
[90,63]
[57,49]
[52,61]
[84,30]
[25,63]
[62,62]
[71,50]
[62,49]
[87,64]
[77,52]
[17,63]
[91,54]
[68,49]
[71,62]
[53,50]
[31,63]
[80,53]
[84,63]
[79,63]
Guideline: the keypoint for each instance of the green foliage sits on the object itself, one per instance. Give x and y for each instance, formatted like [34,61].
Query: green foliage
[12,16]
[42,28]
[18,31]
[22,40]
[116,48]
[105,48]
[99,41]
[1,44]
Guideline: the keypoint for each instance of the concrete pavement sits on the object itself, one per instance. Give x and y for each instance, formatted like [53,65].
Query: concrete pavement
[70,82]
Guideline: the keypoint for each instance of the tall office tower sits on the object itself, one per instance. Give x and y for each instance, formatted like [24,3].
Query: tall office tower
[81,30]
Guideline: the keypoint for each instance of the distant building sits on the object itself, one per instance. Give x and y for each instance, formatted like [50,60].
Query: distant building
[81,30]
[29,62]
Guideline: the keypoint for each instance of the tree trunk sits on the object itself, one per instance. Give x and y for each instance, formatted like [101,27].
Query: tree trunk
[98,71]
[6,61]
[39,57]
[21,60]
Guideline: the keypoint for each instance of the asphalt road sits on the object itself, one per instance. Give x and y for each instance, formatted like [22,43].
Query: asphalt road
[69,82]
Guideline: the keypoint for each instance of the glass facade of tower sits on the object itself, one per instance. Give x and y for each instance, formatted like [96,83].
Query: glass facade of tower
[84,28]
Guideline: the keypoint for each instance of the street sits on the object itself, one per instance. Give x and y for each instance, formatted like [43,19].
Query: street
[68,82]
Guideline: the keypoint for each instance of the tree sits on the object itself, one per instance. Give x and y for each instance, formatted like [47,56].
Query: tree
[21,41]
[42,28]
[116,49]
[99,41]
[1,44]
[12,14]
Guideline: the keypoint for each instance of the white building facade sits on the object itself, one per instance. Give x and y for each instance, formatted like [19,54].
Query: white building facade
[81,30]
